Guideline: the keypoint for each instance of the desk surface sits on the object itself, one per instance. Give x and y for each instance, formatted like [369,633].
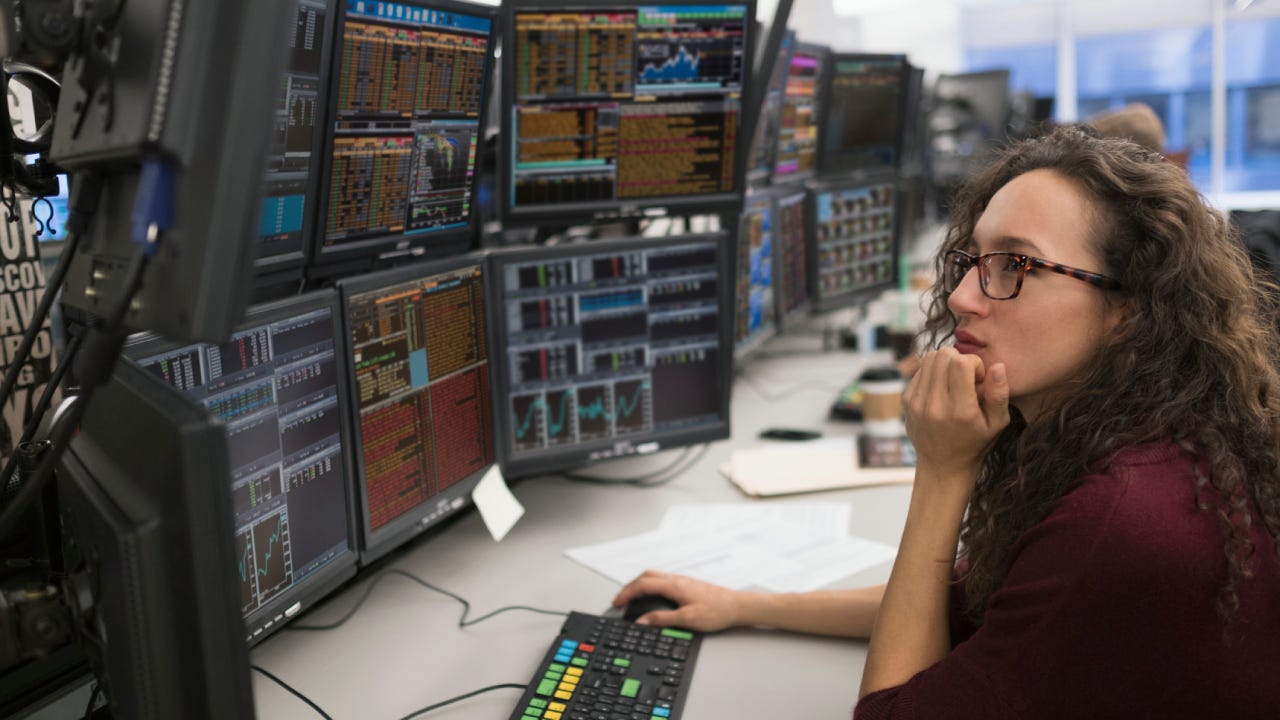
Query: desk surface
[404,650]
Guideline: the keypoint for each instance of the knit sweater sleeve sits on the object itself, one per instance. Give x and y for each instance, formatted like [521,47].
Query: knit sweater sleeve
[1008,666]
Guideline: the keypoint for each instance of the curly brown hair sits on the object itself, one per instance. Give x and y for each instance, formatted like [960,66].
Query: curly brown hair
[1194,359]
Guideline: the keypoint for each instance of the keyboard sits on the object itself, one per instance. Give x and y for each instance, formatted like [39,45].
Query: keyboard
[602,668]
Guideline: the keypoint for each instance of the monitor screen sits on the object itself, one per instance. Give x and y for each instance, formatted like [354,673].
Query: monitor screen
[418,347]
[148,521]
[611,348]
[279,384]
[615,108]
[983,97]
[791,253]
[754,309]
[795,157]
[862,120]
[854,231]
[408,99]
[290,186]
[777,61]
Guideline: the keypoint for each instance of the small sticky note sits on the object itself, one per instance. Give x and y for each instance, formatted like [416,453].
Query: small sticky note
[498,507]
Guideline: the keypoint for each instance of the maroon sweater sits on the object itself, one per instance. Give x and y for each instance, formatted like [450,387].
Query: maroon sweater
[1108,611]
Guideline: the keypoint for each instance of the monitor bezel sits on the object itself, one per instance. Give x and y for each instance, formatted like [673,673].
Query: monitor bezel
[856,296]
[546,462]
[457,497]
[366,252]
[268,267]
[608,211]
[753,341]
[797,195]
[277,612]
[819,104]
[759,177]
[827,161]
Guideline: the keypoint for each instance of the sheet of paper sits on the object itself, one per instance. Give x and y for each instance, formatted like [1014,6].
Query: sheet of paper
[823,564]
[498,507]
[807,467]
[824,519]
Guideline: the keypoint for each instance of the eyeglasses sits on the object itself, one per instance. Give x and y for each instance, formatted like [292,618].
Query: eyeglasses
[1000,274]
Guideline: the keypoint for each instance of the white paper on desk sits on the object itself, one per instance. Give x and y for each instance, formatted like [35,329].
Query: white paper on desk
[498,507]
[691,552]
[823,564]
[806,467]
[823,519]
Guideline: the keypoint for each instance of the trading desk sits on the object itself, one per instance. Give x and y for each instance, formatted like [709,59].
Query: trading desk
[404,650]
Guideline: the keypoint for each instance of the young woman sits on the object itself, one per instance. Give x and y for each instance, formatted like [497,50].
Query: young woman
[1098,433]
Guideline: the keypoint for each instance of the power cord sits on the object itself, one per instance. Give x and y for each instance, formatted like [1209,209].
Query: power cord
[788,391]
[463,622]
[658,477]
[295,693]
[473,693]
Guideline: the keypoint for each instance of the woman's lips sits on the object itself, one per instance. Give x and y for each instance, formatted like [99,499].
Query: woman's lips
[967,344]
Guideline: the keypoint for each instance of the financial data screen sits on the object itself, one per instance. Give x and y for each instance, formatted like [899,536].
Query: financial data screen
[275,385]
[855,239]
[755,311]
[863,121]
[290,163]
[625,104]
[796,154]
[611,346]
[791,268]
[421,362]
[409,83]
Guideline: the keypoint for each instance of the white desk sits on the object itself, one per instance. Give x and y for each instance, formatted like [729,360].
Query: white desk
[403,650]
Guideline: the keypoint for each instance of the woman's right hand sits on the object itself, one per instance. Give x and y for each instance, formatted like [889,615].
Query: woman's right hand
[703,606]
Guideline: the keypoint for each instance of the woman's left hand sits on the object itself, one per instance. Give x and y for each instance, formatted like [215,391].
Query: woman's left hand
[955,407]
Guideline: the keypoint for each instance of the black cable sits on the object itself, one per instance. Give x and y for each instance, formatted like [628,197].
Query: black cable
[637,480]
[46,399]
[93,697]
[295,693]
[85,191]
[462,621]
[104,349]
[788,391]
[459,698]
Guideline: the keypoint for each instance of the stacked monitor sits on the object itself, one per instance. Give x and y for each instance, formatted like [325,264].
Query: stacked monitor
[407,103]
[790,252]
[863,118]
[149,534]
[614,109]
[755,312]
[610,349]
[280,386]
[292,170]
[853,225]
[419,352]
[795,157]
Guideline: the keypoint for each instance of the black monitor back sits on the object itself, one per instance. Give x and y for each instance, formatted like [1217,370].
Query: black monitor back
[147,508]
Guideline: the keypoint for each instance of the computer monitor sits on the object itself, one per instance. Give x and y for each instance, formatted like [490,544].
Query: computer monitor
[287,216]
[853,229]
[755,315]
[796,155]
[615,109]
[611,348]
[861,126]
[915,129]
[407,104]
[985,95]
[279,384]
[148,516]
[776,64]
[417,343]
[791,256]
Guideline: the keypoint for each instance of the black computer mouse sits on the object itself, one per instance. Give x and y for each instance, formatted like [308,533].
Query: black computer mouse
[647,603]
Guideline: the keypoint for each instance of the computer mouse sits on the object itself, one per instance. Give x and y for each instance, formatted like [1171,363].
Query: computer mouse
[647,603]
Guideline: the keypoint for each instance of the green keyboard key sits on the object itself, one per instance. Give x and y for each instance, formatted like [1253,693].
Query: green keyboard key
[677,634]
[630,688]
[546,687]
[622,662]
